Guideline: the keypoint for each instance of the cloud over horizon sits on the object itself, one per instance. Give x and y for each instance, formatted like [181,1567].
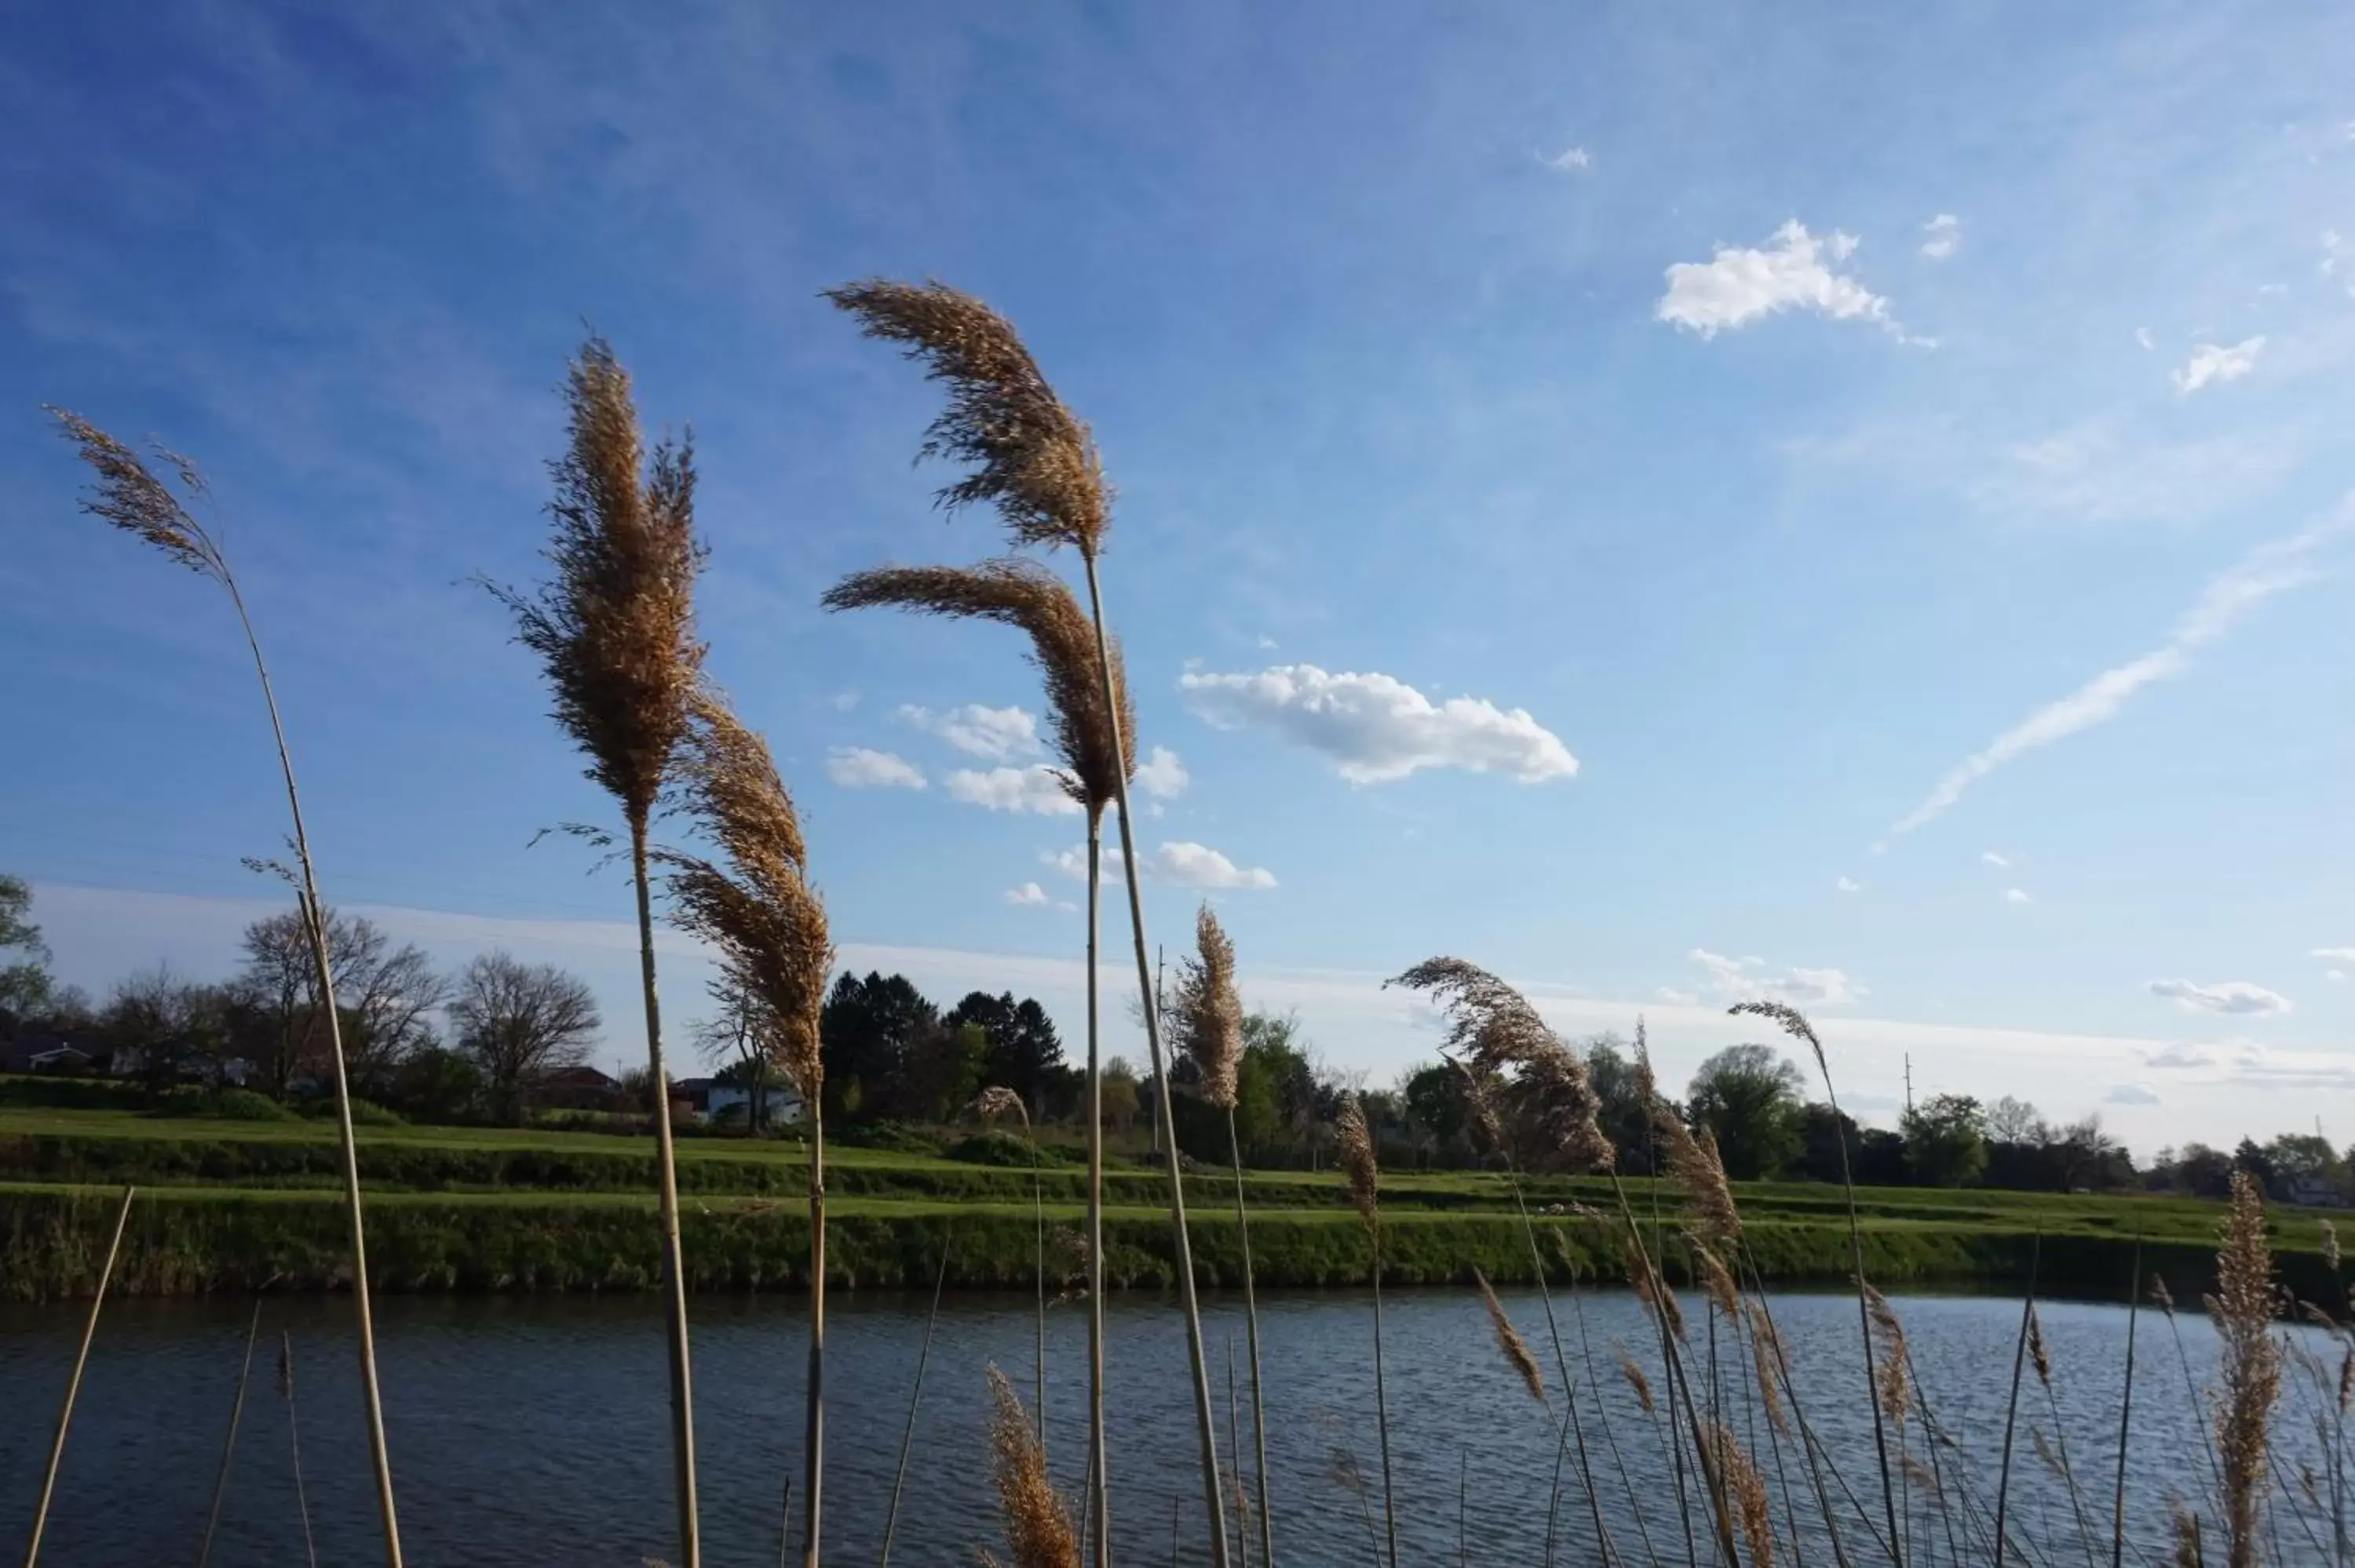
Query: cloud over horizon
[861,768]
[1376,729]
[1738,284]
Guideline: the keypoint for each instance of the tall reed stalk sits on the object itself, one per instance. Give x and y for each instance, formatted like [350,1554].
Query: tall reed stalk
[1033,459]
[73,1384]
[915,1398]
[294,1443]
[1206,1015]
[2242,1313]
[991,1104]
[2125,1413]
[615,632]
[228,1440]
[1354,1143]
[2011,1404]
[128,494]
[754,906]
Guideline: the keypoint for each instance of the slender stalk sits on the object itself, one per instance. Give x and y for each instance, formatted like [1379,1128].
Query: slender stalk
[1204,1419]
[294,1443]
[682,1392]
[1039,1274]
[1864,1326]
[915,1397]
[73,1384]
[813,1435]
[1569,1385]
[1383,1409]
[315,917]
[1463,1494]
[228,1442]
[1099,1485]
[1235,1446]
[1251,1334]
[2011,1406]
[786,1525]
[1554,1491]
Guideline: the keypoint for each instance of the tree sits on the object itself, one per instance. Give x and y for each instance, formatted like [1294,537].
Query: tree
[25,984]
[866,1031]
[1436,1113]
[2303,1158]
[731,1037]
[434,1082]
[2010,1121]
[163,1027]
[1748,1099]
[383,995]
[1946,1140]
[519,1022]
[945,1066]
[1625,1120]
[1025,1054]
[1120,1099]
[2204,1172]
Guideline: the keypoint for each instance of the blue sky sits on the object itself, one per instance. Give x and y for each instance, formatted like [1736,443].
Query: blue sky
[1870,448]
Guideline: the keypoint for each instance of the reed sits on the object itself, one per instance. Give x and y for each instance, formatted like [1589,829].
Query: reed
[228,1440]
[1509,1343]
[128,494]
[2251,1372]
[74,1385]
[294,1443]
[2011,1406]
[615,633]
[1032,459]
[1039,1531]
[915,1399]
[1086,736]
[1207,1015]
[1355,1145]
[992,1105]
[754,906]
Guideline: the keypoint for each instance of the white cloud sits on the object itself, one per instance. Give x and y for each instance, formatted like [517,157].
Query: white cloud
[2236,997]
[2016,896]
[2142,336]
[1746,979]
[845,700]
[2269,570]
[1995,858]
[1030,895]
[1849,884]
[2209,364]
[1941,236]
[1163,776]
[2339,976]
[1000,734]
[1569,159]
[1739,284]
[1037,789]
[2132,1095]
[2174,1057]
[1377,728]
[2337,955]
[857,767]
[1178,862]
[1675,998]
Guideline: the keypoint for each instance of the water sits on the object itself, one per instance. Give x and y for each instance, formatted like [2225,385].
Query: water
[533,1430]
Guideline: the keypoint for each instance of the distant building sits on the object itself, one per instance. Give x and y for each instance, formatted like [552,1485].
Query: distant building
[709,1100]
[2312,1192]
[580,1089]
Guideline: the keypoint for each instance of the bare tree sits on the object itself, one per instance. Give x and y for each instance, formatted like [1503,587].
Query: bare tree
[383,995]
[2011,1120]
[732,1036]
[521,1022]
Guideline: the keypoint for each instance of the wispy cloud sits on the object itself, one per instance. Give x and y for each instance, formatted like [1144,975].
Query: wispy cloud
[1795,271]
[2177,1058]
[2271,568]
[860,768]
[2213,366]
[1942,237]
[2132,1095]
[1178,862]
[2238,999]
[1376,728]
[1030,895]
[1163,777]
[2017,896]
[1996,858]
[1000,734]
[1569,161]
[1038,790]
[1849,884]
[1750,980]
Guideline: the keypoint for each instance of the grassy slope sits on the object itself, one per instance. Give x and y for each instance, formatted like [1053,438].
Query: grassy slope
[232,1203]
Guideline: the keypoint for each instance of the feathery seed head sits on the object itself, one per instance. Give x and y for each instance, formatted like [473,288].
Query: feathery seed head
[1030,597]
[1792,1022]
[1479,1103]
[1718,1280]
[1032,456]
[1038,1532]
[1747,1488]
[1357,1167]
[1892,1378]
[1766,1354]
[1635,1376]
[1509,1340]
[1694,1165]
[1652,1287]
[2251,1363]
[996,1102]
[1494,1026]
[2039,1352]
[128,494]
[1207,1013]
[2160,1294]
[2330,1245]
[615,629]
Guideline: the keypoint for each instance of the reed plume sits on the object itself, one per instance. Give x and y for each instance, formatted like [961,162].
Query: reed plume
[1794,1023]
[1766,1354]
[1695,1167]
[128,494]
[1038,1532]
[1090,740]
[1652,1289]
[753,904]
[993,1105]
[2251,1365]
[1747,1488]
[1635,1376]
[1718,1280]
[1355,1144]
[1494,1028]
[1893,1382]
[1207,1016]
[1516,1350]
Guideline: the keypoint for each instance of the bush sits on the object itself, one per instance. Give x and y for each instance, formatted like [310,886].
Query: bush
[365,1113]
[895,1137]
[995,1146]
[241,1105]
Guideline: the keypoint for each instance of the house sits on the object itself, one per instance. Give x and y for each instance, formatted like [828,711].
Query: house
[580,1089]
[709,1100]
[2314,1192]
[47,1051]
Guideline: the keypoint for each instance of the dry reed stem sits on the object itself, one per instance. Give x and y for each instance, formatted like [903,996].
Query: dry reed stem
[1766,1353]
[1635,1376]
[1694,1165]
[2329,1244]
[1032,458]
[1031,599]
[294,1443]
[1747,1488]
[1038,1532]
[2039,1355]
[1718,1280]
[1894,1381]
[73,1383]
[1206,1012]
[1495,1027]
[1356,1145]
[1516,1350]
[228,1441]
[2251,1371]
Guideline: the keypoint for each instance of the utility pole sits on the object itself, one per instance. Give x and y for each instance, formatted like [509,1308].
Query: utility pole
[1162,1087]
[1909,1084]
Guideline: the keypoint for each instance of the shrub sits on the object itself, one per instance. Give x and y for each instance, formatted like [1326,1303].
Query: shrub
[241,1105]
[365,1113]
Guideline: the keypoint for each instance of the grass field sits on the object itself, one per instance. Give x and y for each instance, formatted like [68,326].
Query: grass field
[228,1204]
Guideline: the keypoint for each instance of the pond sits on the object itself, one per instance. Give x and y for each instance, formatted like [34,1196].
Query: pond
[531,1430]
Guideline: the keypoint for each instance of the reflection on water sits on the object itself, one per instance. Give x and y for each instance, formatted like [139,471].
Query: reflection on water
[531,1431]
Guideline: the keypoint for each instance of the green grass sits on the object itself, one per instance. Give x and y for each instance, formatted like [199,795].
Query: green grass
[228,1203]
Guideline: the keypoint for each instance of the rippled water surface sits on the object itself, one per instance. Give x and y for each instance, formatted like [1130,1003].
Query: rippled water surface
[532,1431]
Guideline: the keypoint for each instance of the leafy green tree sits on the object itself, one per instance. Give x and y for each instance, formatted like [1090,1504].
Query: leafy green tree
[1120,1099]
[24,985]
[1946,1140]
[2303,1158]
[866,1031]
[437,1084]
[1437,1115]
[1024,1054]
[1748,1099]
[1624,1117]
